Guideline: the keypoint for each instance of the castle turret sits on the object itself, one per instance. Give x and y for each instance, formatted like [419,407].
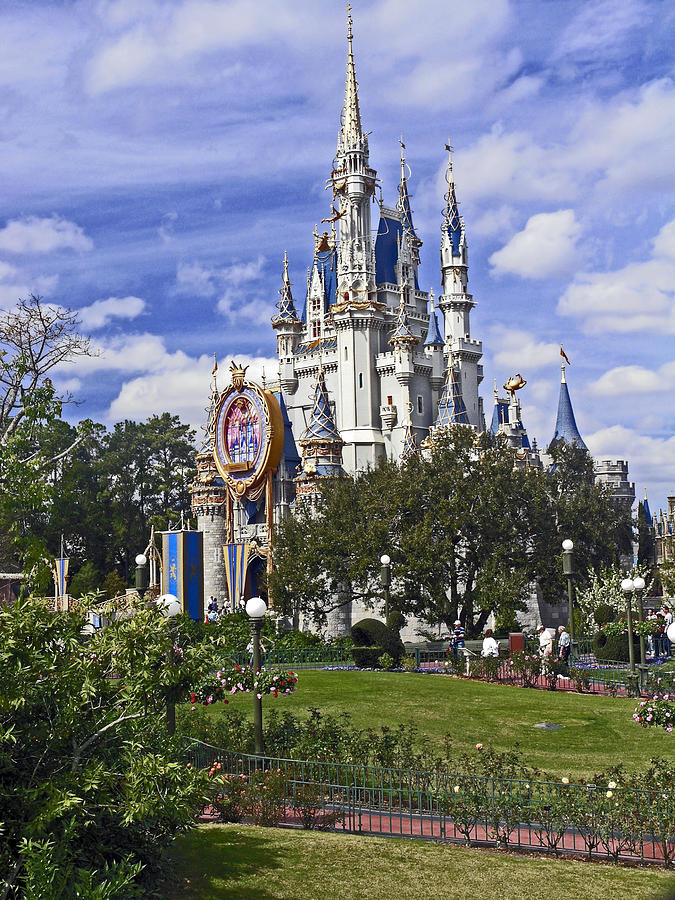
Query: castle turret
[456,303]
[321,445]
[451,407]
[565,423]
[288,327]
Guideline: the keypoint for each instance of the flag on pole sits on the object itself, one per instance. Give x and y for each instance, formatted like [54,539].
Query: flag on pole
[60,576]
[564,356]
[236,564]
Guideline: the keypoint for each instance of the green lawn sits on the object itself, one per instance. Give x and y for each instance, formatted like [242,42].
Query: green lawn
[243,862]
[598,731]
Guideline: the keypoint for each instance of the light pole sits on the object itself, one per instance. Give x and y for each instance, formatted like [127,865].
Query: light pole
[385,580]
[169,607]
[256,609]
[628,586]
[568,571]
[141,574]
[639,585]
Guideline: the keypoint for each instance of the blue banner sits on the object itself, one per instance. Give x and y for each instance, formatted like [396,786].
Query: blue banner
[183,570]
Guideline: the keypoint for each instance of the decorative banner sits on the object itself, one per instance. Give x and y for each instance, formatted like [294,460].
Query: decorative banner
[248,435]
[60,576]
[183,570]
[236,564]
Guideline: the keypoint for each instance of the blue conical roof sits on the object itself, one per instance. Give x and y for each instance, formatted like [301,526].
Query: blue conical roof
[500,416]
[565,423]
[451,408]
[286,305]
[647,511]
[433,337]
[452,223]
[403,205]
[321,426]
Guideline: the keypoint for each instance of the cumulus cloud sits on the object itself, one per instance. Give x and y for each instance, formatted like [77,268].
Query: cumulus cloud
[43,235]
[241,294]
[651,459]
[637,297]
[519,349]
[101,312]
[16,285]
[635,380]
[546,246]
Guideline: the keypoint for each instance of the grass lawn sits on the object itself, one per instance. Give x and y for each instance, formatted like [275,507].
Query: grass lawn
[243,862]
[598,731]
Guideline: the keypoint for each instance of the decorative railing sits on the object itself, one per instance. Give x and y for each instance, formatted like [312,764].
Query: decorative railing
[624,824]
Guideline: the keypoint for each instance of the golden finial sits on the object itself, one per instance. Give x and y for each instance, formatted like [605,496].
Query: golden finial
[238,375]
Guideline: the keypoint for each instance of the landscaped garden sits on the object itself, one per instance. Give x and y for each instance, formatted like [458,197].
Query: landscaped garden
[598,732]
[241,862]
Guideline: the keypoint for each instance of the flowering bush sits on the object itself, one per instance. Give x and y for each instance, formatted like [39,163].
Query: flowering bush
[659,711]
[243,679]
[527,666]
[620,628]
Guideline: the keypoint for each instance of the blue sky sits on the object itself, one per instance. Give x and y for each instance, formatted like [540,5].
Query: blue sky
[159,157]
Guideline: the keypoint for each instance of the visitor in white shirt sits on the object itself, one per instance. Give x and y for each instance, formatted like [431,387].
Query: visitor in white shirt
[490,645]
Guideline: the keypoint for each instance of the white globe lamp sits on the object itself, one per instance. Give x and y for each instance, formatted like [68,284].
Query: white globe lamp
[169,605]
[256,608]
[567,544]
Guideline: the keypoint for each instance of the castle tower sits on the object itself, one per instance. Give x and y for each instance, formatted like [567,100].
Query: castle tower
[456,304]
[451,407]
[288,328]
[565,423]
[321,446]
[433,348]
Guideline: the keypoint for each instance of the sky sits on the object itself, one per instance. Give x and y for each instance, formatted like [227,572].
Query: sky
[157,158]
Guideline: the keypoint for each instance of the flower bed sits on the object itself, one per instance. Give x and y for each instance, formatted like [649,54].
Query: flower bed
[243,679]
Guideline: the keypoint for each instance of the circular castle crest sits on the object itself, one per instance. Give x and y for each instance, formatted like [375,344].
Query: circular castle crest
[248,434]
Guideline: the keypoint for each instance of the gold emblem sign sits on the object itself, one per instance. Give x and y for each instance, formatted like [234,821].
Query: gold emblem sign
[248,434]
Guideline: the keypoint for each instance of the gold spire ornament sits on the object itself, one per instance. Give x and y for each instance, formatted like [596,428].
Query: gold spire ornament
[238,375]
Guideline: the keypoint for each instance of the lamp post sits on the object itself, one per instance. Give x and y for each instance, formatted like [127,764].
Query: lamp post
[385,580]
[568,571]
[169,607]
[141,574]
[639,585]
[256,609]
[628,586]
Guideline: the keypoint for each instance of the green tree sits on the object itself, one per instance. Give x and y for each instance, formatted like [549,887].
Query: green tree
[467,531]
[89,779]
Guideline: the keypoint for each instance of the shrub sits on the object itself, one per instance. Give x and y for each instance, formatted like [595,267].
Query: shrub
[265,797]
[396,620]
[657,711]
[385,661]
[603,614]
[309,802]
[229,797]
[372,632]
[409,663]
[527,666]
[613,646]
[367,657]
[581,678]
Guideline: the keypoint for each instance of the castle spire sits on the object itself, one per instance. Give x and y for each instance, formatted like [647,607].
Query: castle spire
[451,408]
[452,223]
[565,423]
[409,443]
[351,133]
[403,332]
[286,304]
[433,338]
[403,204]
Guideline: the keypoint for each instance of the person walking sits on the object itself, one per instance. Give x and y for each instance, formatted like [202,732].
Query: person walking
[564,644]
[458,636]
[667,622]
[545,642]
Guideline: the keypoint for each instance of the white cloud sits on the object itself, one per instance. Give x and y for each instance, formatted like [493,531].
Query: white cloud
[638,297]
[242,295]
[546,246]
[635,380]
[181,385]
[495,221]
[521,351]
[601,28]
[16,285]
[101,312]
[651,459]
[36,235]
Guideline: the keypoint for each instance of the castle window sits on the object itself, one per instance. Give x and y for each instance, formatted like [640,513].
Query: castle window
[420,404]
[346,353]
[360,379]
[316,330]
[390,401]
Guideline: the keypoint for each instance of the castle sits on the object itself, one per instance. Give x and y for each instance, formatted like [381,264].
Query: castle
[365,368]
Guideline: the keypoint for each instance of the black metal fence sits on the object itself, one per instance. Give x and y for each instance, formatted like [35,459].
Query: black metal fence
[623,824]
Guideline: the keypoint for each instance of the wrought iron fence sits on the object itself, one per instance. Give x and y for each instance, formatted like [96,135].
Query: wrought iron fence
[613,822]
[306,658]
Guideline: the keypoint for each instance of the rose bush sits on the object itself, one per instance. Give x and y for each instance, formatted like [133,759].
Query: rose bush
[243,679]
[659,710]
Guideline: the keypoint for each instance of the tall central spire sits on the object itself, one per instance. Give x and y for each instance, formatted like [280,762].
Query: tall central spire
[351,133]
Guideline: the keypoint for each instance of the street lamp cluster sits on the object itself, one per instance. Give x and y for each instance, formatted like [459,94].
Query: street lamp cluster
[631,586]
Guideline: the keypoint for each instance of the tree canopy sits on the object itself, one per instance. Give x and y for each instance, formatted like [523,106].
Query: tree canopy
[466,529]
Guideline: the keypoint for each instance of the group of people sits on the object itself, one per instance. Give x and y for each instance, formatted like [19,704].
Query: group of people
[213,611]
[546,643]
[659,644]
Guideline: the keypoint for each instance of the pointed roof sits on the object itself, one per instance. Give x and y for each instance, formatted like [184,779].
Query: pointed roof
[500,415]
[565,423]
[403,332]
[286,304]
[647,510]
[321,426]
[403,204]
[409,443]
[452,223]
[433,338]
[451,408]
[351,132]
